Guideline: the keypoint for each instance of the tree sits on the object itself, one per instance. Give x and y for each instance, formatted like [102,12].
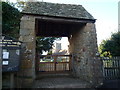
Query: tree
[10,20]
[111,47]
[45,44]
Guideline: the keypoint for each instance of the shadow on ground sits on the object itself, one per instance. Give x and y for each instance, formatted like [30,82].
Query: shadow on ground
[110,84]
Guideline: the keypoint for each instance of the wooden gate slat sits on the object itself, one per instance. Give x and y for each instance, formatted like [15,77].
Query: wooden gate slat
[111,67]
[59,63]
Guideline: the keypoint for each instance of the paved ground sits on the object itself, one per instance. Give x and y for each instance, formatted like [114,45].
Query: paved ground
[111,84]
[66,81]
[60,82]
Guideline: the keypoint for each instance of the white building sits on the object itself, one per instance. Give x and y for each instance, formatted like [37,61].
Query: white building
[57,47]
[61,47]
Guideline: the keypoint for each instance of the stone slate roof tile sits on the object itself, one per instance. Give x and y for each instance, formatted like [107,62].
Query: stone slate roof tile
[54,9]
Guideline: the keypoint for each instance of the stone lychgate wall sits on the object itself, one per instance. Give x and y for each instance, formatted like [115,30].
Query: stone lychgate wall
[27,36]
[83,47]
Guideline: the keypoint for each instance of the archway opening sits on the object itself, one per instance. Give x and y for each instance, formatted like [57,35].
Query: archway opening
[59,60]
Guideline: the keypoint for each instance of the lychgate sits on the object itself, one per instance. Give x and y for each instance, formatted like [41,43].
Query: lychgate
[60,20]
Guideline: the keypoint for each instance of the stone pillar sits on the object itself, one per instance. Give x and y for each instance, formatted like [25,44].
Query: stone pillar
[85,63]
[27,36]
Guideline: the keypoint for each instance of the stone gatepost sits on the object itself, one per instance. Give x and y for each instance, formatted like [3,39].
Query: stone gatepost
[83,46]
[27,36]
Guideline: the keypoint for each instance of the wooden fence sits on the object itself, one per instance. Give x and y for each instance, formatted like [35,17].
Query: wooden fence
[111,67]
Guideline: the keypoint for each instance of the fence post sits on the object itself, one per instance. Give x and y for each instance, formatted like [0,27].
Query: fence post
[11,80]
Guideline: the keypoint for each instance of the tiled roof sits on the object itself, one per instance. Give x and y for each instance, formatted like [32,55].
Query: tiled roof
[59,10]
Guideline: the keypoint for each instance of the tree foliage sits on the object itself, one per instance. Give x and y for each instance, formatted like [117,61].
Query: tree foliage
[20,4]
[10,20]
[45,43]
[111,47]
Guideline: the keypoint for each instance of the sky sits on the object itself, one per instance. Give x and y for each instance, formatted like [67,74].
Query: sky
[105,11]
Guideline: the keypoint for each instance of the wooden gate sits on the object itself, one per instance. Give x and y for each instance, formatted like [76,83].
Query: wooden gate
[53,63]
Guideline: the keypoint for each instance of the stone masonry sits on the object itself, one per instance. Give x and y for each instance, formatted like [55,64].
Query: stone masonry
[27,36]
[83,48]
